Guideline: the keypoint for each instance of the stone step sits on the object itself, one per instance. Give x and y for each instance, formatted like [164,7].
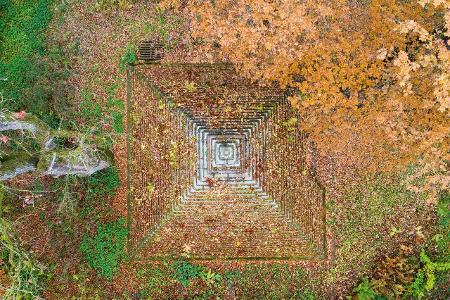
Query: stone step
[227,194]
[228,199]
[232,185]
[233,230]
[221,199]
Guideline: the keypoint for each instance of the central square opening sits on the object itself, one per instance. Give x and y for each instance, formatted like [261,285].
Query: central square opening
[227,152]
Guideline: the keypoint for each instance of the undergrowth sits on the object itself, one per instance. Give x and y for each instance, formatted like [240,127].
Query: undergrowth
[408,275]
[25,73]
[106,248]
[184,272]
[26,275]
[425,279]
[103,183]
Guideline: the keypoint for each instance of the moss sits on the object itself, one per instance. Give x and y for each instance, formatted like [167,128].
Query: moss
[39,129]
[13,162]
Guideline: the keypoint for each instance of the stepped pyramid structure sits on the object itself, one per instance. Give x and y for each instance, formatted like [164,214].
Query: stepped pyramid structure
[216,168]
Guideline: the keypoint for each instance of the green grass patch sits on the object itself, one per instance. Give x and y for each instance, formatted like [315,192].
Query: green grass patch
[105,249]
[184,272]
[103,183]
[128,58]
[25,72]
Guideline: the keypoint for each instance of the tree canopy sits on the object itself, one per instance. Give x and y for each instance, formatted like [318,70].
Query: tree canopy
[369,78]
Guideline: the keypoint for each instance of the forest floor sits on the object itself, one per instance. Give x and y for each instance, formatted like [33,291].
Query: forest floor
[367,219]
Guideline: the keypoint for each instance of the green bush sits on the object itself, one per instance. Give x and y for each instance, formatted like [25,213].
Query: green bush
[128,58]
[426,276]
[103,183]
[184,272]
[364,290]
[106,248]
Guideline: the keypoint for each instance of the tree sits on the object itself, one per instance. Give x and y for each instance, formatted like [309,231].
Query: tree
[370,78]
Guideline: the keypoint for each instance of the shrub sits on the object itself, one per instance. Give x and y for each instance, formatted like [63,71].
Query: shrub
[106,248]
[426,276]
[393,273]
[184,272]
[395,278]
[364,290]
[103,183]
[128,58]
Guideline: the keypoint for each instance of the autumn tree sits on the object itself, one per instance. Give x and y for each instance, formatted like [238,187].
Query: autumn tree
[369,78]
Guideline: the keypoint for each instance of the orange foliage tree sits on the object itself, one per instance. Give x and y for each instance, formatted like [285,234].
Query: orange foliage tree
[370,78]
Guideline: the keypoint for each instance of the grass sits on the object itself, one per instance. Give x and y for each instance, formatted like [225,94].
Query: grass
[440,243]
[370,213]
[103,183]
[191,281]
[184,272]
[25,84]
[109,115]
[23,63]
[272,281]
[105,250]
[128,58]
[164,27]
[442,237]
[106,5]
[154,280]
